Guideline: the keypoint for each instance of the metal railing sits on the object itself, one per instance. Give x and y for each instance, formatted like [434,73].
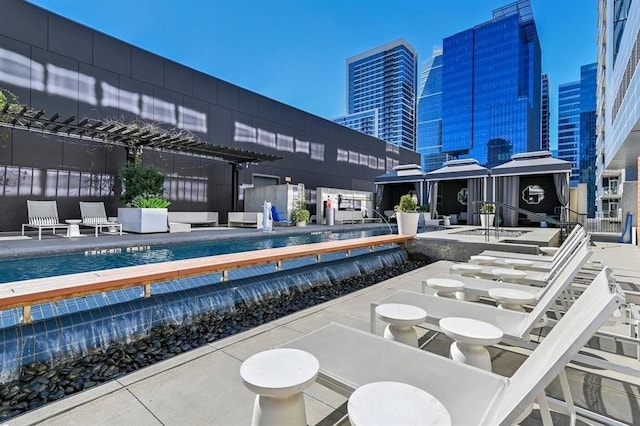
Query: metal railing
[602,222]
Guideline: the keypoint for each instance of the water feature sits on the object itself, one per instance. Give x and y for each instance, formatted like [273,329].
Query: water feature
[73,334]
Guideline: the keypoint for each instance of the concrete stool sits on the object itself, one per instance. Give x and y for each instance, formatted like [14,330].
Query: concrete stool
[279,376]
[519,263]
[444,287]
[393,403]
[401,319]
[509,275]
[512,299]
[466,269]
[482,259]
[549,251]
[471,336]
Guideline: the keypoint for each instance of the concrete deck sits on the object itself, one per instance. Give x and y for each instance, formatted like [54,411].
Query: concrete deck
[204,385]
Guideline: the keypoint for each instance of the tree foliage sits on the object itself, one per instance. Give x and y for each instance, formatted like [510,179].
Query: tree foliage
[138,180]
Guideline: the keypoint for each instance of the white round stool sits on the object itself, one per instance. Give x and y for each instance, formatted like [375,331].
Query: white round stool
[518,263]
[466,269]
[549,251]
[512,299]
[279,376]
[401,319]
[471,336]
[482,259]
[74,228]
[509,275]
[445,287]
[393,403]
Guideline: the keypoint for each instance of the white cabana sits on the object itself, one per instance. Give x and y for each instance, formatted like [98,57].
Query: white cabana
[399,181]
[535,181]
[463,182]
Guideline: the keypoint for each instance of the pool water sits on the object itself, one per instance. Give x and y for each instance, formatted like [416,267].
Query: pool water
[48,266]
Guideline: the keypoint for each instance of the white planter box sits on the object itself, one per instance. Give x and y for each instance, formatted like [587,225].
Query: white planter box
[143,221]
[407,223]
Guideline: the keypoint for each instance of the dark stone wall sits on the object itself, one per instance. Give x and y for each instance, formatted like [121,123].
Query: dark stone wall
[60,66]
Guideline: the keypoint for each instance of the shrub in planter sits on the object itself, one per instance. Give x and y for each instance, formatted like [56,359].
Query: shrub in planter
[407,215]
[140,181]
[300,215]
[487,208]
[408,204]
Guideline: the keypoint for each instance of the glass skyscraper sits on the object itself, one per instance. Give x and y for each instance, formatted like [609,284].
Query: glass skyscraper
[491,108]
[545,140]
[381,93]
[577,130]
[569,127]
[429,122]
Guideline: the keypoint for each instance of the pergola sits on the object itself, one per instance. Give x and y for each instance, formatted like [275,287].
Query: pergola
[133,135]
[136,134]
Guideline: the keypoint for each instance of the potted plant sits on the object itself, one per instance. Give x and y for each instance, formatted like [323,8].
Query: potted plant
[487,215]
[146,209]
[407,215]
[300,215]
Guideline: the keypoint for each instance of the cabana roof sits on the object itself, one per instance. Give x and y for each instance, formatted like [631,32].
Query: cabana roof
[459,169]
[529,163]
[406,173]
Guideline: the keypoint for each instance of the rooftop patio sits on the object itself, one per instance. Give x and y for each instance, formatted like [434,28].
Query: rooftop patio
[204,385]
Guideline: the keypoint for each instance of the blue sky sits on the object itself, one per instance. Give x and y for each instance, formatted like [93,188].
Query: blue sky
[295,51]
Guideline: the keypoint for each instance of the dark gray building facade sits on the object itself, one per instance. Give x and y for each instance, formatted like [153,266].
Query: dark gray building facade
[61,67]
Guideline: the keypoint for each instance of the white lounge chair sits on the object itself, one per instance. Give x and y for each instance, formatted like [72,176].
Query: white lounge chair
[95,216]
[536,278]
[351,358]
[516,326]
[480,287]
[574,236]
[43,215]
[537,263]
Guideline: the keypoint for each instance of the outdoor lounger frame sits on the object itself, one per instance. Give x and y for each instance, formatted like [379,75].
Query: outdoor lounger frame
[350,358]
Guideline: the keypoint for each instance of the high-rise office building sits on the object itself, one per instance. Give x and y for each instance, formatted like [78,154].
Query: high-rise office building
[491,86]
[429,122]
[545,114]
[577,130]
[569,126]
[587,147]
[381,93]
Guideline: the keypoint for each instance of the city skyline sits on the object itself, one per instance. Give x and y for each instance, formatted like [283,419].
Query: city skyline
[295,52]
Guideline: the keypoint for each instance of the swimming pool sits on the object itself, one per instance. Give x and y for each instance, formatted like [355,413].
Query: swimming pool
[118,257]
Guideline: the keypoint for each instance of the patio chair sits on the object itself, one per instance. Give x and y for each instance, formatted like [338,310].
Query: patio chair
[539,263]
[351,358]
[95,216]
[483,277]
[577,234]
[515,325]
[43,215]
[521,276]
[277,219]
